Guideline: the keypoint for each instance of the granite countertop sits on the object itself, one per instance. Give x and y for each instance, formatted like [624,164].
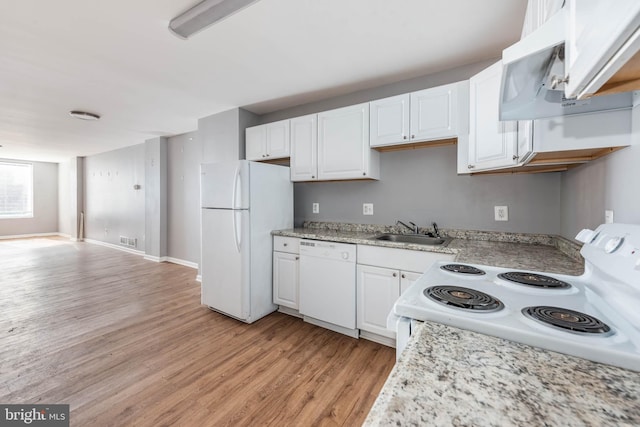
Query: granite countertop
[449,376]
[513,250]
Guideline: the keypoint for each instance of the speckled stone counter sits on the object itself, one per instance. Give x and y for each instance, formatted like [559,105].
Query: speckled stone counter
[453,377]
[512,250]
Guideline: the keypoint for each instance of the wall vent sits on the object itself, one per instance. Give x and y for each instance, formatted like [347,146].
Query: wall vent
[129,241]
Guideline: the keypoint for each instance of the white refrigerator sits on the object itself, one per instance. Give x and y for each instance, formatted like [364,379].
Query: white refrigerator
[242,202]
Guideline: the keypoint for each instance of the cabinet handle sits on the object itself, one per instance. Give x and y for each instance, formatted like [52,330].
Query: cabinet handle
[403,276]
[364,174]
[297,258]
[515,157]
[284,244]
[395,274]
[413,137]
[470,167]
[313,177]
[264,155]
[404,136]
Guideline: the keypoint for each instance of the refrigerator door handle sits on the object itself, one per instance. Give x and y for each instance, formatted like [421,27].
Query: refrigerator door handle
[237,231]
[237,188]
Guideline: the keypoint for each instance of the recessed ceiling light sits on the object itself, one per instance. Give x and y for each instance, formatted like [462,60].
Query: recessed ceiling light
[83,115]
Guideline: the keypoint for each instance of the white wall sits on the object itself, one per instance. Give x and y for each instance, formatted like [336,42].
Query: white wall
[112,207]
[45,204]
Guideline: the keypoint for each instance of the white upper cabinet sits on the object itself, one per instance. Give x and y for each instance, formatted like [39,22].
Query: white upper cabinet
[602,37]
[389,121]
[426,115]
[434,113]
[343,145]
[267,142]
[538,12]
[492,143]
[304,148]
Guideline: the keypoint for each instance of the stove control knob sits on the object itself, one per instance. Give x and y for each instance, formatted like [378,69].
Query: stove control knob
[613,244]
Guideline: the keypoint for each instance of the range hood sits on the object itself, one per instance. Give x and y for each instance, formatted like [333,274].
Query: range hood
[532,80]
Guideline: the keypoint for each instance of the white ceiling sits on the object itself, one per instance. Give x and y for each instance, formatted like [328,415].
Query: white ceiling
[117,59]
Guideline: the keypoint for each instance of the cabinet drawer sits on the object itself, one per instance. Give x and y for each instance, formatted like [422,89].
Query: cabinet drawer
[286,244]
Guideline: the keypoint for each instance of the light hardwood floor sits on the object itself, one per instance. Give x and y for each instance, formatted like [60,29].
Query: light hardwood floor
[125,341]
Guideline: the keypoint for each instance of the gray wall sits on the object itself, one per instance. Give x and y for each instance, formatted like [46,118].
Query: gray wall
[64,198]
[422,186]
[70,197]
[607,183]
[221,135]
[112,207]
[183,195]
[155,194]
[45,204]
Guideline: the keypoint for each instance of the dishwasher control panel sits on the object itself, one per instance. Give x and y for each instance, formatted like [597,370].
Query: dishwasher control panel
[332,250]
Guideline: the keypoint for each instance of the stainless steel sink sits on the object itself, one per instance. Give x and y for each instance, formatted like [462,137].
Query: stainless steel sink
[419,239]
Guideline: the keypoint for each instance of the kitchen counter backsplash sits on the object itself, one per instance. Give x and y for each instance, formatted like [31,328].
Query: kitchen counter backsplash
[565,246]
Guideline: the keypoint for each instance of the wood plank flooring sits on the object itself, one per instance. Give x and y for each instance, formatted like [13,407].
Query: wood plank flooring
[125,341]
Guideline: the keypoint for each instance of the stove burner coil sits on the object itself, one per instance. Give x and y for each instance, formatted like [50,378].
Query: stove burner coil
[532,279]
[463,298]
[463,269]
[565,319]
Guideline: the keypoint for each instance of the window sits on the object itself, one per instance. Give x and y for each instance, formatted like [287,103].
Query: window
[16,190]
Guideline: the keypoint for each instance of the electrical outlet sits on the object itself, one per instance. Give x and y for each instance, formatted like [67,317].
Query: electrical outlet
[608,217]
[367,209]
[501,213]
[316,208]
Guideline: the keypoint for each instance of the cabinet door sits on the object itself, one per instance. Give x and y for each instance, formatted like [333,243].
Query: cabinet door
[389,119]
[277,140]
[343,143]
[602,36]
[525,140]
[434,113]
[492,143]
[255,142]
[407,278]
[285,279]
[304,148]
[378,289]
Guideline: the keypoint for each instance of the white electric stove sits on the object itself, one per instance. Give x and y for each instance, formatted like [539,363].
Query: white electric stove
[595,316]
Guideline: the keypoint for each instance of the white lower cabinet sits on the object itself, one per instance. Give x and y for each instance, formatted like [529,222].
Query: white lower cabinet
[286,271]
[285,279]
[407,279]
[383,274]
[378,289]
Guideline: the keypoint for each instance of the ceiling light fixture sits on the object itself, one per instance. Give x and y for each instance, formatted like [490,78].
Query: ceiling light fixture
[83,115]
[205,14]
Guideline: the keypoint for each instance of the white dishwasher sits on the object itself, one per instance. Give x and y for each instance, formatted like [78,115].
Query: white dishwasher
[328,285]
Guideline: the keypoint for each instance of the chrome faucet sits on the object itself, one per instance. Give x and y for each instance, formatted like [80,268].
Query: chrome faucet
[436,232]
[412,227]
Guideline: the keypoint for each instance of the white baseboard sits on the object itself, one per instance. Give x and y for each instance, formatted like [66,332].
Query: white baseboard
[289,311]
[155,258]
[112,246]
[25,236]
[182,262]
[353,333]
[380,339]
